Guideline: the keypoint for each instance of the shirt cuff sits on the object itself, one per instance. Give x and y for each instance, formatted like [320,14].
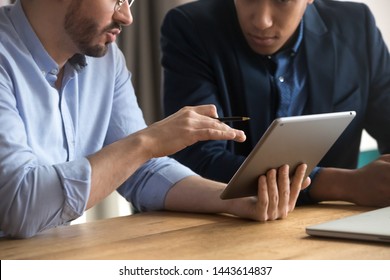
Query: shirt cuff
[76,180]
[148,187]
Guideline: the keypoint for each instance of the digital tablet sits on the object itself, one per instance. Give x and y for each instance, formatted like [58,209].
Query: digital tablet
[288,140]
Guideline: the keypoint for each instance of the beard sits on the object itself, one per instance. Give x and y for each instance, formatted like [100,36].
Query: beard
[83,31]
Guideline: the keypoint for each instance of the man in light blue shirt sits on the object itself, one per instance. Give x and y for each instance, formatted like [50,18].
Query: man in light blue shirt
[71,131]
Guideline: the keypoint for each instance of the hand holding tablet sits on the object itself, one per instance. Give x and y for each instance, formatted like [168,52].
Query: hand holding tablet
[289,140]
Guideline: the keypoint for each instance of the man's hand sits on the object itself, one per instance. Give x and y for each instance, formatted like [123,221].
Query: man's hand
[186,127]
[277,196]
[373,183]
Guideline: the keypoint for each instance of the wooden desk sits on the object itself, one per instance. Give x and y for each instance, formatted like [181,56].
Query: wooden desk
[167,235]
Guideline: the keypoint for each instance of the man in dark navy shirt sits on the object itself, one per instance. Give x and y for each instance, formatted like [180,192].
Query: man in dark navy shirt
[266,59]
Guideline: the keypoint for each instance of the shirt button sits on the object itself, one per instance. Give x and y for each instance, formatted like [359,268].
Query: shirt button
[54,72]
[281,79]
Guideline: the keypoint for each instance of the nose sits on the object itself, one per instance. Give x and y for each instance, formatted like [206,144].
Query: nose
[123,16]
[263,17]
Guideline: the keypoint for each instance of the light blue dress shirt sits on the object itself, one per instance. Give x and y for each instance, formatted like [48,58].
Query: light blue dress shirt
[46,134]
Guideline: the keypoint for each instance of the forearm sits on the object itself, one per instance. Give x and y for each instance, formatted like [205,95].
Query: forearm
[366,186]
[333,184]
[196,194]
[114,164]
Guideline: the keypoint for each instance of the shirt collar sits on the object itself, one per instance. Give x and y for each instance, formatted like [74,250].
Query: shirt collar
[299,38]
[294,47]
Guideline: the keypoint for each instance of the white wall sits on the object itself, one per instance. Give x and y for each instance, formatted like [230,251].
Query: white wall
[4,2]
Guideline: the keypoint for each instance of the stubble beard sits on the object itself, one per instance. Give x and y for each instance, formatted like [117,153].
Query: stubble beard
[83,31]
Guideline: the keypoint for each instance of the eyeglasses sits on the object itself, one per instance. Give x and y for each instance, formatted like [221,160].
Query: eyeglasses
[119,4]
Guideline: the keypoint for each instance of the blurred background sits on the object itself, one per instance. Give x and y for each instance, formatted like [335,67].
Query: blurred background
[140,44]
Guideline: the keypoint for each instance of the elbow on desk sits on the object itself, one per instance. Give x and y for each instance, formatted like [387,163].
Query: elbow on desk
[15,223]
[18,231]
[26,224]
[26,209]
[16,216]
[19,222]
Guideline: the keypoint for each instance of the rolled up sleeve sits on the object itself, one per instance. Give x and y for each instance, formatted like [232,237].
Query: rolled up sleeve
[148,187]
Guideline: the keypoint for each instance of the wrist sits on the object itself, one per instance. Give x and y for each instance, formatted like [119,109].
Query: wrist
[143,143]
[333,184]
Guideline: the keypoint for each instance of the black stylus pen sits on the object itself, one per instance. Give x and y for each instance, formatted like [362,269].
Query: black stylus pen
[233,119]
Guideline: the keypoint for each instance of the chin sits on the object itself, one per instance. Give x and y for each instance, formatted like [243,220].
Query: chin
[265,51]
[97,50]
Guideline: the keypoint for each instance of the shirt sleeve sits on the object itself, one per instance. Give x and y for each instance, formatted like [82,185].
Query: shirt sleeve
[147,188]
[26,182]
[149,185]
[377,119]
